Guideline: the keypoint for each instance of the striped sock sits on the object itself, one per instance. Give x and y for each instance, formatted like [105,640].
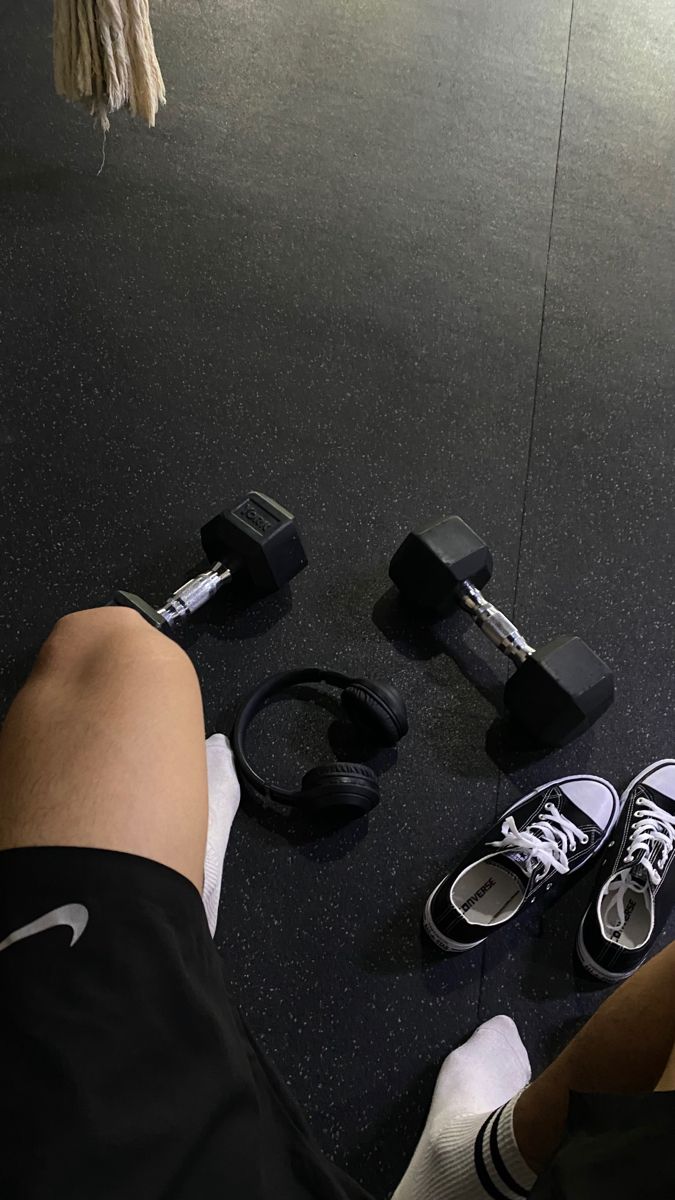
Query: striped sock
[500,1168]
[465,1153]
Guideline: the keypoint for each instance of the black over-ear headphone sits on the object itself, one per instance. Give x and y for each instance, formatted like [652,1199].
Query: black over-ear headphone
[344,788]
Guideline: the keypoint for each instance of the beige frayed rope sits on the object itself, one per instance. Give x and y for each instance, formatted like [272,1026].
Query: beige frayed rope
[104,54]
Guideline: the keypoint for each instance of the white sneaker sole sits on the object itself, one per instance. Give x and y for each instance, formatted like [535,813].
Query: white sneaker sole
[585,958]
[446,943]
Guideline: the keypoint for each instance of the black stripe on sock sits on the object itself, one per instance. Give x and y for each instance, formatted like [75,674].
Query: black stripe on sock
[498,1162]
[479,1163]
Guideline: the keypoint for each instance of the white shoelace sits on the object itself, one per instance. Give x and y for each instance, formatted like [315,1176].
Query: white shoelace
[548,841]
[651,828]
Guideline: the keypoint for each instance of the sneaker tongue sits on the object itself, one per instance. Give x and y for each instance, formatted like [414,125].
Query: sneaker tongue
[637,869]
[514,861]
[639,874]
[652,856]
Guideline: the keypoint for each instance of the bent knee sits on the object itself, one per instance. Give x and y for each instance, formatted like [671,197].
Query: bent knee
[107,639]
[93,623]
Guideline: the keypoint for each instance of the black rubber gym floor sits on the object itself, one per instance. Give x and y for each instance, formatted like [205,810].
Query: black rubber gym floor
[384,261]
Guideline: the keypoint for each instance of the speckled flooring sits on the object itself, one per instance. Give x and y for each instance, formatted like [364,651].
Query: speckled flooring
[383,260]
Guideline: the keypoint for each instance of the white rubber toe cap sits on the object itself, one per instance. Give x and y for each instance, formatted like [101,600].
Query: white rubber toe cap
[662,778]
[595,797]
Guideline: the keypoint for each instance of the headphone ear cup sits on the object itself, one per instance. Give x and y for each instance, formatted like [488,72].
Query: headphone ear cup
[377,706]
[346,789]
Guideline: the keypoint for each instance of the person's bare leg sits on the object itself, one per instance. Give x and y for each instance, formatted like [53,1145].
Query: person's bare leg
[667,1081]
[626,1046]
[104,746]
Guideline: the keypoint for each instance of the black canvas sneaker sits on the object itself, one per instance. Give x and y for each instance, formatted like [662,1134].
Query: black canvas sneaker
[552,832]
[636,885]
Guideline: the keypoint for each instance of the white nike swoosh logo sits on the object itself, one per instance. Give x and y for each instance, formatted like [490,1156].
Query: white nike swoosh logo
[75,915]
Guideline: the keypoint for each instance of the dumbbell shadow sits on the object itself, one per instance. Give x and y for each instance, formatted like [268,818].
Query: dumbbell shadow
[422,639]
[557,691]
[235,615]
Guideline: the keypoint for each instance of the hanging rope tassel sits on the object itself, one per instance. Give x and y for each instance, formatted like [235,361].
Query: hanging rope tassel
[104,55]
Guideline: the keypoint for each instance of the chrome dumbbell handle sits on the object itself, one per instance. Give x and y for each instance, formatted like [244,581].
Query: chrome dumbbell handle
[194,594]
[495,625]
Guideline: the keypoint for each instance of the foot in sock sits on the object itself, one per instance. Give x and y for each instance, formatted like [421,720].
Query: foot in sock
[467,1150]
[223,805]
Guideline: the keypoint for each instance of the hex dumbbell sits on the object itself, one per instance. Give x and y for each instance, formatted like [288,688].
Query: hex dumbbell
[558,691]
[255,543]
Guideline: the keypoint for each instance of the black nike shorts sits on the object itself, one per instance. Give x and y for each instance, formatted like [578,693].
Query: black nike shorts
[614,1148]
[126,1070]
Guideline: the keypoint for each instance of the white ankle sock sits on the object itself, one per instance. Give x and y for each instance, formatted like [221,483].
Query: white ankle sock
[223,805]
[468,1150]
